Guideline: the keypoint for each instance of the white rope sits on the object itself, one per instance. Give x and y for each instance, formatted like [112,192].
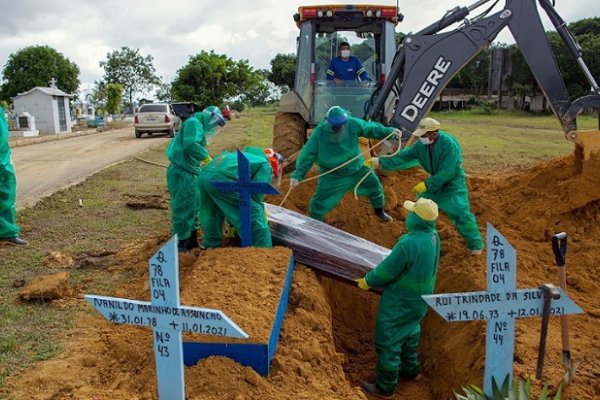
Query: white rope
[395,131]
[399,134]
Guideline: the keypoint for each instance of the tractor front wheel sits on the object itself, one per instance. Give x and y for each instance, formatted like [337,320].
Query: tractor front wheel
[289,134]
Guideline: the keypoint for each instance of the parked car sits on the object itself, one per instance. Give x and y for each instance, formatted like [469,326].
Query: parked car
[156,117]
[185,109]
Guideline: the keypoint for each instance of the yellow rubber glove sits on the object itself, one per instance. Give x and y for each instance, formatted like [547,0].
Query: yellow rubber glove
[372,163]
[362,283]
[420,188]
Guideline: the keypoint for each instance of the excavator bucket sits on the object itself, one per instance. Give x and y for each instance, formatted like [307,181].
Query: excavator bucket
[583,186]
[587,150]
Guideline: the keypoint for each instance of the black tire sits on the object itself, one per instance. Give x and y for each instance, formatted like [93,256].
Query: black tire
[289,135]
[172,132]
[138,134]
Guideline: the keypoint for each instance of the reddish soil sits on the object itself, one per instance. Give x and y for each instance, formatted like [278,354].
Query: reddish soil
[326,348]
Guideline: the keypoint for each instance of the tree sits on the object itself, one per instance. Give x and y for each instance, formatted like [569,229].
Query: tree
[474,75]
[114,96]
[209,78]
[283,70]
[163,91]
[400,38]
[261,91]
[132,70]
[98,95]
[587,33]
[36,66]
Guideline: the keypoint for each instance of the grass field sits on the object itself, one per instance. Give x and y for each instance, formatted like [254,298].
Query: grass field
[92,233]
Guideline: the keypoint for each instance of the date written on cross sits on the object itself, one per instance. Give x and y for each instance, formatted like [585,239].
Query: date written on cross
[185,319]
[471,306]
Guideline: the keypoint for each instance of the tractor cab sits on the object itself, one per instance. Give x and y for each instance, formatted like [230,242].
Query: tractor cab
[370,32]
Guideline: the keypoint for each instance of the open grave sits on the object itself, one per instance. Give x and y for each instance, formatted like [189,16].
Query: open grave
[326,343]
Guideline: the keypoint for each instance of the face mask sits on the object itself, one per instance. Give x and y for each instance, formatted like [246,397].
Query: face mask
[426,141]
[345,53]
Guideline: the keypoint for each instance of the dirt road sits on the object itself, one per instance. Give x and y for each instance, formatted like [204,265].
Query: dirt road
[45,168]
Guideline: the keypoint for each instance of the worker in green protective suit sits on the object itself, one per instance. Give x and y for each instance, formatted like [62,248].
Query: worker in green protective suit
[217,205]
[332,143]
[408,272]
[9,230]
[441,156]
[186,152]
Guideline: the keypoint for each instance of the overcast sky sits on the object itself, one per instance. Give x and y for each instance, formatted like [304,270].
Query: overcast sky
[171,31]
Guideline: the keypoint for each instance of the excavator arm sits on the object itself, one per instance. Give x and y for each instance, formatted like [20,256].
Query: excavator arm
[427,61]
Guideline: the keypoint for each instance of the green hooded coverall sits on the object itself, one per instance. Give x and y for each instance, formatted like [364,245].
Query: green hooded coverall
[328,149]
[407,273]
[185,152]
[447,185]
[217,205]
[8,185]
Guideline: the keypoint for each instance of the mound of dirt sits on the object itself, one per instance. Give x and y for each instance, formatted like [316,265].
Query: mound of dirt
[56,259]
[47,287]
[326,344]
[106,361]
[528,207]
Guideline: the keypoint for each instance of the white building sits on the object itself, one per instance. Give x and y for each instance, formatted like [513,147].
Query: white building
[49,106]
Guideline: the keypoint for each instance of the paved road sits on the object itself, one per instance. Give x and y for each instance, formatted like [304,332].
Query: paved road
[45,168]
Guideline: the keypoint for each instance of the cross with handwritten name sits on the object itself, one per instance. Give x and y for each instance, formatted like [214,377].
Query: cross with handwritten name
[499,306]
[167,318]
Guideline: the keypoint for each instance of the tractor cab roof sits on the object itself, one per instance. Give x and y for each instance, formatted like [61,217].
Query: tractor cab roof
[336,17]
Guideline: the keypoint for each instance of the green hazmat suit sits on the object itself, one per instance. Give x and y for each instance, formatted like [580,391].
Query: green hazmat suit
[447,185]
[328,149]
[8,185]
[217,205]
[407,273]
[185,152]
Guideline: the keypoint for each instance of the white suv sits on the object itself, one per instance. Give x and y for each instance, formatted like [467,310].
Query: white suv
[156,117]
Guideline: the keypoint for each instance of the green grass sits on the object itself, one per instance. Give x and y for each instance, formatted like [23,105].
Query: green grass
[31,331]
[507,140]
[259,126]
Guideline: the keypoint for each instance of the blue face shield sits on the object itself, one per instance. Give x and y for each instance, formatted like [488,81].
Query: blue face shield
[217,119]
[215,122]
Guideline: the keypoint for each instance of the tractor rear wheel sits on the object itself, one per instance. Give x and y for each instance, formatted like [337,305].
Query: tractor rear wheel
[289,134]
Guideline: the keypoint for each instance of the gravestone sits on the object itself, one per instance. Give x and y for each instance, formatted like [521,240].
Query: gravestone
[25,125]
[167,318]
[245,187]
[499,306]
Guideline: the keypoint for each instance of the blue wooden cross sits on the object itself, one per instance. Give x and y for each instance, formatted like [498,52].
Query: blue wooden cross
[245,187]
[167,318]
[499,306]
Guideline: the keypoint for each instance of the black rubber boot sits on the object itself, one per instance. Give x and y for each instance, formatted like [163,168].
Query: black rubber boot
[382,215]
[182,246]
[373,390]
[14,241]
[192,241]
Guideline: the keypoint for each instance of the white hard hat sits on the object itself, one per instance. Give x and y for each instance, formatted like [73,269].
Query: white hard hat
[425,208]
[427,125]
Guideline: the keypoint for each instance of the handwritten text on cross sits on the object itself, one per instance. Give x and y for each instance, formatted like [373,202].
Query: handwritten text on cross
[500,305]
[167,318]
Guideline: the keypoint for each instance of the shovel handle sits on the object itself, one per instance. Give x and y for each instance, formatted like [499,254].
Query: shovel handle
[559,247]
